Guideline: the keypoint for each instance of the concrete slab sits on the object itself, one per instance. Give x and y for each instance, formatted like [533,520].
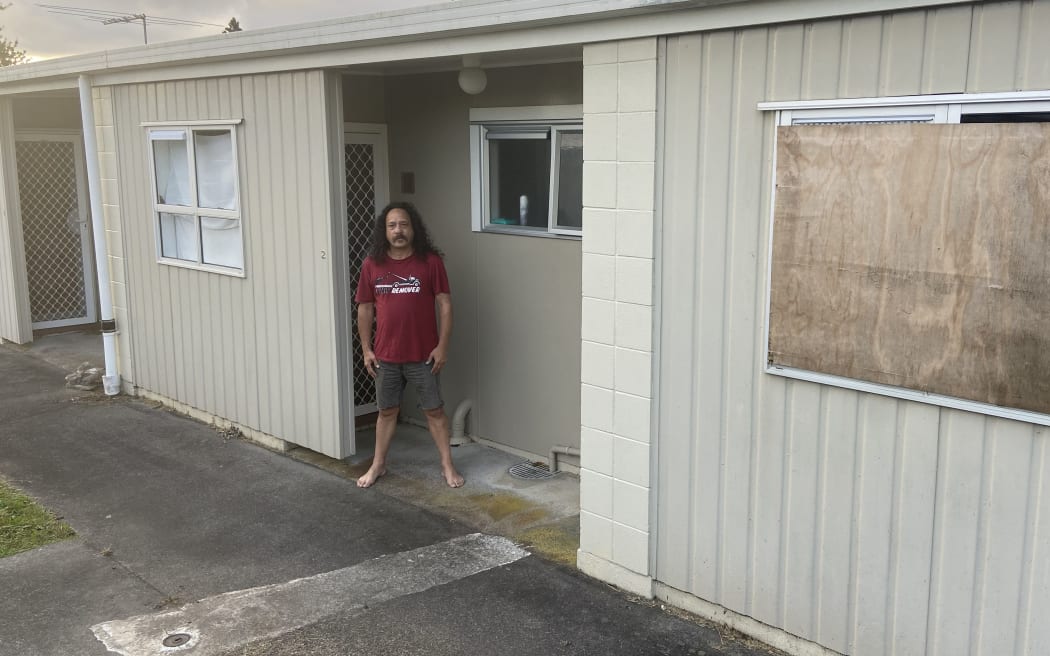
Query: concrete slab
[50,595]
[523,609]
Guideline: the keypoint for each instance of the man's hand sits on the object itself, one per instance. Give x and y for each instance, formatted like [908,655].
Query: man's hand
[370,362]
[438,358]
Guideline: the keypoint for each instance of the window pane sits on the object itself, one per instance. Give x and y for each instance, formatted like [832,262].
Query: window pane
[519,181]
[221,242]
[216,187]
[178,239]
[570,180]
[172,169]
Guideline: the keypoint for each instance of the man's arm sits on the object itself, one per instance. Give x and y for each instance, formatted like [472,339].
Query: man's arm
[439,356]
[366,312]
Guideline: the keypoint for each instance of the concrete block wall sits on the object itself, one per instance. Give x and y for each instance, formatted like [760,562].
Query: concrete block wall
[108,175]
[619,116]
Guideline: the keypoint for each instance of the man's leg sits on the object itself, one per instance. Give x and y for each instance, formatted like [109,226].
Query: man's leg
[428,389]
[390,382]
[437,422]
[386,424]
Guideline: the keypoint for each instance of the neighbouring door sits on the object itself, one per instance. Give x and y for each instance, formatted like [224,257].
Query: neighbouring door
[367,192]
[55,229]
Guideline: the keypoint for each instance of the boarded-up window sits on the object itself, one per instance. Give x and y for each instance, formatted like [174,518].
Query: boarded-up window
[916,256]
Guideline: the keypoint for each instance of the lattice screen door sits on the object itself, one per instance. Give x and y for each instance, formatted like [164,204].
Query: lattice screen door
[366,194]
[55,228]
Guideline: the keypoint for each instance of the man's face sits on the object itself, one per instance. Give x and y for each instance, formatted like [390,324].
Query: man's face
[398,229]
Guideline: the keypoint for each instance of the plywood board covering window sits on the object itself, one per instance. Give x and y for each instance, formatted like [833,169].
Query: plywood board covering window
[916,256]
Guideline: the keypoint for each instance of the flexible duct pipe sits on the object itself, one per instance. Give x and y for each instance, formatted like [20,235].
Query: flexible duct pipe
[565,450]
[459,423]
[111,380]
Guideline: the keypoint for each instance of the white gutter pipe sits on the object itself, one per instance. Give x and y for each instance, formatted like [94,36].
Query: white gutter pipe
[111,380]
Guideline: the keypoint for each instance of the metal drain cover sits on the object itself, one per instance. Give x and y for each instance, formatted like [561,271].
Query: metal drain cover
[176,639]
[530,470]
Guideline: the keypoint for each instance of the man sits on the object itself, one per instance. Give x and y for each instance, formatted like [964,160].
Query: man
[402,279]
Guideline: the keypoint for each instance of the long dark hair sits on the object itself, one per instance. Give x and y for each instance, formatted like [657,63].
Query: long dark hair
[422,245]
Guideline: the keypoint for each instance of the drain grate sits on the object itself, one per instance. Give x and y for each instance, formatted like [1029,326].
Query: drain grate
[176,640]
[530,470]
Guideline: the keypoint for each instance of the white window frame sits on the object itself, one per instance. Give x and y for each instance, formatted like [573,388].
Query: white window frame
[925,109]
[553,120]
[190,128]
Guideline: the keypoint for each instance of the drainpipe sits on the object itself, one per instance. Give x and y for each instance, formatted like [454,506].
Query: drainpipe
[565,450]
[459,423]
[111,380]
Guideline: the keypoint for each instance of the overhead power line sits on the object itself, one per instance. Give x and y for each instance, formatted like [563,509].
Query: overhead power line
[107,17]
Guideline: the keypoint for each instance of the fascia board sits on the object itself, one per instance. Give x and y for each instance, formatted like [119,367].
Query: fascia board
[504,26]
[462,17]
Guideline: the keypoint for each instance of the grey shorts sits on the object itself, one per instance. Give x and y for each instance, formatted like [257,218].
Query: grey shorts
[391,379]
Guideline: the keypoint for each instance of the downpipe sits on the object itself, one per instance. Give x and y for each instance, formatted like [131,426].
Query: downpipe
[111,379]
[459,423]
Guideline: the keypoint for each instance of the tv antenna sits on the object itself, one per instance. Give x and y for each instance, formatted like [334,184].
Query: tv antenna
[111,17]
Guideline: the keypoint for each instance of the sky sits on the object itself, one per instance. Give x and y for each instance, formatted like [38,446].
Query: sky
[45,35]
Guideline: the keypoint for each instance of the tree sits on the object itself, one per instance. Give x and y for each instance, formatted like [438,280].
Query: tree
[10,53]
[234,26]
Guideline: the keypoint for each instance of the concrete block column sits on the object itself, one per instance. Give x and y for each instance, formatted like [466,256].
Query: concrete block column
[108,173]
[619,150]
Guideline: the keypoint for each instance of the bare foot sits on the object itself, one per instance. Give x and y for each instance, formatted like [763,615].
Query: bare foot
[452,477]
[371,476]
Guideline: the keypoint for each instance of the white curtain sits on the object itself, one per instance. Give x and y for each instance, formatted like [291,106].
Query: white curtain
[221,242]
[216,186]
[172,168]
[177,237]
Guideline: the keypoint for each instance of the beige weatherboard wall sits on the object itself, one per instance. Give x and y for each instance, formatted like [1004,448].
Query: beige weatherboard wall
[258,350]
[812,515]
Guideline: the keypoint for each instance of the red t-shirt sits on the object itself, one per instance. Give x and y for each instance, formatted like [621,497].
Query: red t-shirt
[403,292]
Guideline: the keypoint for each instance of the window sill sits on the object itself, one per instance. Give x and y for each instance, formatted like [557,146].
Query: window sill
[518,232]
[205,268]
[910,395]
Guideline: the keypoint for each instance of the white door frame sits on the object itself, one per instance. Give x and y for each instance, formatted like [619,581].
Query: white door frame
[83,219]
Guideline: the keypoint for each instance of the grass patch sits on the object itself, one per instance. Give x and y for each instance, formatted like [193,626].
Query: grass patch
[25,525]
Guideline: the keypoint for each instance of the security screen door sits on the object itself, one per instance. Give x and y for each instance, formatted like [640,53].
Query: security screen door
[366,193]
[55,229]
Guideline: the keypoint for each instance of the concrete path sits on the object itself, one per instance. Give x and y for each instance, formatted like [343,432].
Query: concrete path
[233,549]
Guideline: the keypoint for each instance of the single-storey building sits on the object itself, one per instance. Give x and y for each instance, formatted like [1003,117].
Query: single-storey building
[777,269]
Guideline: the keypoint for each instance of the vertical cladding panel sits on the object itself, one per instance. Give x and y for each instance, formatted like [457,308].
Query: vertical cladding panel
[802,422]
[903,40]
[915,478]
[256,350]
[876,418]
[961,463]
[940,500]
[1033,630]
[861,46]
[1004,534]
[836,519]
[741,313]
[946,55]
[1033,64]
[822,59]
[716,108]
[994,47]
[677,385]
